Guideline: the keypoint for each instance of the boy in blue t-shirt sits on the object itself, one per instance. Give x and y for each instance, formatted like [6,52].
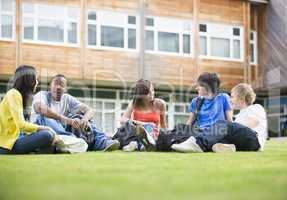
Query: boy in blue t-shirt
[215,107]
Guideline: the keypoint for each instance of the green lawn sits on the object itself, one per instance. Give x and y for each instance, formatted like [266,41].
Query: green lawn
[153,176]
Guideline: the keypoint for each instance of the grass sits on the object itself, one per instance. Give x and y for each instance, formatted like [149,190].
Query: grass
[118,175]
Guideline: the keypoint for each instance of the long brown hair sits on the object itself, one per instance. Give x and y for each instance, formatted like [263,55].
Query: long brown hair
[24,81]
[141,89]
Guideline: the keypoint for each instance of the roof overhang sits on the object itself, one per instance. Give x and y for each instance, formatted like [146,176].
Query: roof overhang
[258,1]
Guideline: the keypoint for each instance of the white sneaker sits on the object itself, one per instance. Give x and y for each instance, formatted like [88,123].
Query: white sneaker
[223,148]
[132,146]
[187,146]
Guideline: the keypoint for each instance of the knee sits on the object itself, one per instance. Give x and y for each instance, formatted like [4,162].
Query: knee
[48,136]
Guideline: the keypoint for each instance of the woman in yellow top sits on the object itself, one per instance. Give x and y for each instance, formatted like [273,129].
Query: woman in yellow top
[12,121]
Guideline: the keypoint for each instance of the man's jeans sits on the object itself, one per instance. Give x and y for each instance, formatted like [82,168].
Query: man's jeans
[100,137]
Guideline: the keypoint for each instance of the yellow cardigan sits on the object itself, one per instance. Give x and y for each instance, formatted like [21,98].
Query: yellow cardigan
[12,120]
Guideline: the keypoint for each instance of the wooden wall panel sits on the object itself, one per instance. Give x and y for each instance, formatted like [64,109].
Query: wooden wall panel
[7,57]
[173,70]
[52,59]
[108,65]
[170,8]
[221,11]
[230,73]
[111,65]
[56,2]
[115,5]
[273,44]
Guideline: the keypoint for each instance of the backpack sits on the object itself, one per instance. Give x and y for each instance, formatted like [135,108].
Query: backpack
[180,132]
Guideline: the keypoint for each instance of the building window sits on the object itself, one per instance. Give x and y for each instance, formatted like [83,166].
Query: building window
[181,113]
[105,113]
[166,35]
[92,28]
[51,24]
[220,47]
[7,19]
[112,30]
[168,42]
[186,44]
[253,47]
[112,36]
[221,41]
[132,36]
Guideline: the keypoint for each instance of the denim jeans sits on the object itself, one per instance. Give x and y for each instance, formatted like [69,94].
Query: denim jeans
[30,143]
[100,137]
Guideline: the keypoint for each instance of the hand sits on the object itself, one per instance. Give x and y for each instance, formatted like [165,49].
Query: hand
[84,124]
[56,140]
[66,120]
[76,123]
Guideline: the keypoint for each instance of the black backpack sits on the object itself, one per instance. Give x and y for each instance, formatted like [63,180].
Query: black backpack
[180,132]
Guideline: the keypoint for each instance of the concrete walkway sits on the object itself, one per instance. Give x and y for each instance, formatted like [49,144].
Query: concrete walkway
[278,138]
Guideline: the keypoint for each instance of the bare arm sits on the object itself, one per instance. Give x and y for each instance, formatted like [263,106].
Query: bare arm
[162,108]
[229,115]
[190,119]
[47,112]
[250,122]
[127,114]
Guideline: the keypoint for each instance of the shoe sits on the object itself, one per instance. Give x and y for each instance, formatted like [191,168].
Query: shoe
[150,133]
[112,145]
[145,136]
[132,146]
[188,146]
[223,148]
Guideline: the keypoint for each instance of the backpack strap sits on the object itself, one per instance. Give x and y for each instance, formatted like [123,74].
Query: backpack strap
[199,103]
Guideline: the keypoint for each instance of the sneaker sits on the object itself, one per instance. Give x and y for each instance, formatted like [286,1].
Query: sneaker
[149,131]
[187,146]
[145,138]
[132,146]
[223,148]
[112,145]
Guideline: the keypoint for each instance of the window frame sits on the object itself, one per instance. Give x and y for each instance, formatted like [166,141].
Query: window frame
[180,32]
[91,102]
[227,35]
[255,50]
[99,23]
[13,15]
[66,21]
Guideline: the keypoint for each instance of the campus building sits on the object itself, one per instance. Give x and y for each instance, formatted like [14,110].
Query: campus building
[104,46]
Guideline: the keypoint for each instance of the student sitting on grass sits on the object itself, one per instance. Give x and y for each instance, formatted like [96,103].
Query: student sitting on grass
[247,133]
[144,109]
[55,109]
[12,122]
[250,115]
[214,106]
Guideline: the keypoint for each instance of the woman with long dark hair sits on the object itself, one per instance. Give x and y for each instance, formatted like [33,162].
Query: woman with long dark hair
[12,121]
[144,109]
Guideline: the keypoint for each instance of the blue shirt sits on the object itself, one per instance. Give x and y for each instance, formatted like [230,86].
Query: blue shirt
[212,110]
